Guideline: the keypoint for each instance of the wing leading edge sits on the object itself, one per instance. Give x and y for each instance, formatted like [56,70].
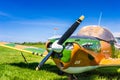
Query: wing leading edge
[28,49]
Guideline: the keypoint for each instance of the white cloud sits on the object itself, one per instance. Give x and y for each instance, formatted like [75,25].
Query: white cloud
[31,30]
[116,34]
[42,22]
[4,14]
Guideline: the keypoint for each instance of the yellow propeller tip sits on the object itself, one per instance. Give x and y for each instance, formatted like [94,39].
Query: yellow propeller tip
[82,17]
[37,68]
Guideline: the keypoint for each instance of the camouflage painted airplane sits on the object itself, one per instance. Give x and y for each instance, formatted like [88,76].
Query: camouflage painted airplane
[93,47]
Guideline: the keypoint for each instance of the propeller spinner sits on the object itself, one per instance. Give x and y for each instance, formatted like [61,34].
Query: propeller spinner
[64,37]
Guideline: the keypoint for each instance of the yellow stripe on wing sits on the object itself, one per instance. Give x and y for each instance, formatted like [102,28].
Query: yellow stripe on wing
[16,48]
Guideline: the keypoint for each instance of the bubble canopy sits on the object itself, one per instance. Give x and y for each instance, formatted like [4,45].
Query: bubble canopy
[96,31]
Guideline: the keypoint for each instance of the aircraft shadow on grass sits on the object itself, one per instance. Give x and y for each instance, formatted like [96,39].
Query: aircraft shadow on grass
[102,73]
[33,65]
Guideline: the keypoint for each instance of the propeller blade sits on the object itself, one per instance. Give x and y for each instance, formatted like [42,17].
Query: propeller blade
[44,60]
[66,35]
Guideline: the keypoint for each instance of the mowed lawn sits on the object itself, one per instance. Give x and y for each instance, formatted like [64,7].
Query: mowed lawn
[13,67]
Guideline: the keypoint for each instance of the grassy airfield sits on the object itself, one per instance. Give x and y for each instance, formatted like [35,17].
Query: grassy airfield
[13,67]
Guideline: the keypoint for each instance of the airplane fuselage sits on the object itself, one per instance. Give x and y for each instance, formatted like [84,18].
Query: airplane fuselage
[82,53]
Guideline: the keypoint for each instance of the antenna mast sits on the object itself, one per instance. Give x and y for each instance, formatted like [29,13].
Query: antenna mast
[99,21]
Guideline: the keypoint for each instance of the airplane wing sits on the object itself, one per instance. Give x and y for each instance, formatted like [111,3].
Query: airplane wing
[28,49]
[110,62]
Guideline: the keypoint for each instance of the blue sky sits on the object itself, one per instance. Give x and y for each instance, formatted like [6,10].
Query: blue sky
[35,20]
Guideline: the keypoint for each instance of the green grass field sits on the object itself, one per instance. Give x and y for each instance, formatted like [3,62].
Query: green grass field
[13,67]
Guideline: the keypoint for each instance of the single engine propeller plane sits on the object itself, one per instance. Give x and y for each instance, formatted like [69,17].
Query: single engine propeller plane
[91,48]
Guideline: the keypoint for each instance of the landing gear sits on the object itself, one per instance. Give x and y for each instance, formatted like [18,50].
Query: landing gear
[60,72]
[72,77]
[24,57]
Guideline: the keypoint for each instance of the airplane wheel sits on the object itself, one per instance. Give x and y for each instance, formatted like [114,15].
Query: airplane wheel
[72,77]
[60,73]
